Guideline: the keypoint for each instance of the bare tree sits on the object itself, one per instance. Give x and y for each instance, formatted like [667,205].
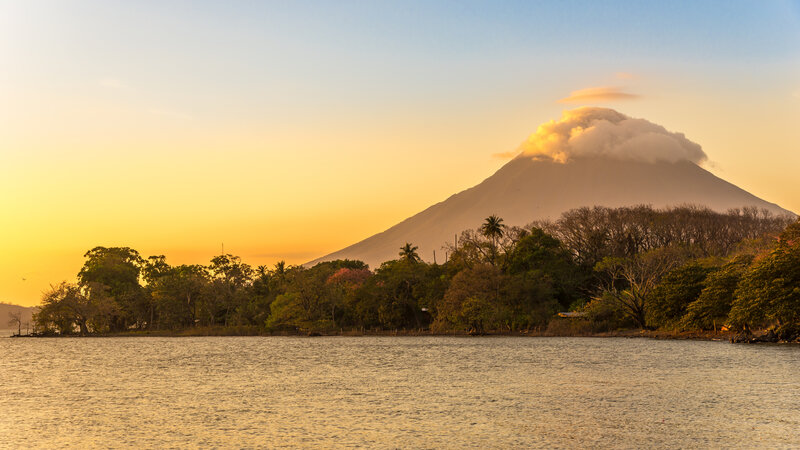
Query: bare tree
[15,318]
[629,280]
[595,233]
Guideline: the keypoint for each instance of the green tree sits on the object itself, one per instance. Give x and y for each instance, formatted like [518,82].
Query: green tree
[668,301]
[472,248]
[114,272]
[791,234]
[155,267]
[532,299]
[226,292]
[409,253]
[342,286]
[493,229]
[472,302]
[711,309]
[770,291]
[176,294]
[64,308]
[288,314]
[105,309]
[310,302]
[539,256]
[269,283]
[630,280]
[605,313]
[397,288]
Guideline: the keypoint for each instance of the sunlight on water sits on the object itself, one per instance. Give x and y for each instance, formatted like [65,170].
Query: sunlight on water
[416,392]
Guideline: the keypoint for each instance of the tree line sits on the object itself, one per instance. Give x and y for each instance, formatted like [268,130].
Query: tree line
[683,268]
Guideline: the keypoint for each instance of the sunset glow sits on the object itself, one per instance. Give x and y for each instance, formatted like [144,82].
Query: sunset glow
[288,131]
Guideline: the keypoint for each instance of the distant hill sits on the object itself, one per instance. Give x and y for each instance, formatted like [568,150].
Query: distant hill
[6,309]
[534,186]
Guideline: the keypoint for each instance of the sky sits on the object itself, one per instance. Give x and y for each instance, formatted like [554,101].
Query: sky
[287,130]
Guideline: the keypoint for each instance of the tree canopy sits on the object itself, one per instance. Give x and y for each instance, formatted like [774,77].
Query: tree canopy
[681,268]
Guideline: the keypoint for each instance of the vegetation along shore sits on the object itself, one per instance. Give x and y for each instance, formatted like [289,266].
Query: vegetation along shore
[683,272]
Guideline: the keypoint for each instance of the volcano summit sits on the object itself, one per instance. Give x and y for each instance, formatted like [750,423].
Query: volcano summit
[590,157]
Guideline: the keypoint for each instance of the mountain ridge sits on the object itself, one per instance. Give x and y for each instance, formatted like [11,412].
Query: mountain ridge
[527,189]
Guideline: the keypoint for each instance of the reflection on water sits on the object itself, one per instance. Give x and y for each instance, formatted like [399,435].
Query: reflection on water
[396,392]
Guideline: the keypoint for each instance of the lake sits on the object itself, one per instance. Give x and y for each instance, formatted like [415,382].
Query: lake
[396,392]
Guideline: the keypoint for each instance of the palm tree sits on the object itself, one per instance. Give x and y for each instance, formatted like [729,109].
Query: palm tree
[409,253]
[493,229]
[278,274]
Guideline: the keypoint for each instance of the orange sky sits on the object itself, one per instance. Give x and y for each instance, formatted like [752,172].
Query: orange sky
[289,142]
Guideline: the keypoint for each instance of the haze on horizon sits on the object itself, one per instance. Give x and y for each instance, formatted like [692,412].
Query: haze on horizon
[288,131]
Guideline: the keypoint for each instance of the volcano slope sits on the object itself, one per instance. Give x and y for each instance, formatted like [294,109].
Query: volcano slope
[591,157]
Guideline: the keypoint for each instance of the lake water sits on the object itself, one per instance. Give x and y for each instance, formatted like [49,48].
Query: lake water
[397,392]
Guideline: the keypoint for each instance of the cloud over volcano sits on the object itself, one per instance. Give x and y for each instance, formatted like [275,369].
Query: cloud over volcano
[603,132]
[614,161]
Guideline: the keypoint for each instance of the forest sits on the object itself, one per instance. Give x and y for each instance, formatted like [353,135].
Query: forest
[604,269]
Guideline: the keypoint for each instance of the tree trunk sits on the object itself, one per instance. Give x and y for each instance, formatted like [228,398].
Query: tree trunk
[84,329]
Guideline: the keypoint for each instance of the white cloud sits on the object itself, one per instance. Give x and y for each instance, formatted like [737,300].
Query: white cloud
[592,132]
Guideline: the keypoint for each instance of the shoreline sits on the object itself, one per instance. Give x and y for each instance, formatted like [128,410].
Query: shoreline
[227,332]
[755,337]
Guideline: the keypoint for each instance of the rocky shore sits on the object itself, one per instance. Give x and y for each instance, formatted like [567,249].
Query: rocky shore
[784,334]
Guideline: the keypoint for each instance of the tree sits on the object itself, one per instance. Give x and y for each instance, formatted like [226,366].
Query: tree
[599,232]
[472,302]
[309,301]
[176,294]
[474,247]
[15,318]
[713,305]
[105,308]
[64,307]
[287,313]
[493,229]
[226,292]
[531,298]
[231,270]
[605,313]
[154,268]
[114,272]
[409,253]
[770,291]
[791,234]
[668,302]
[470,249]
[343,285]
[280,268]
[396,289]
[540,252]
[630,280]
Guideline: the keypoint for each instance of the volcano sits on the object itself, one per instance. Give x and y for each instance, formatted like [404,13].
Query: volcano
[591,157]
